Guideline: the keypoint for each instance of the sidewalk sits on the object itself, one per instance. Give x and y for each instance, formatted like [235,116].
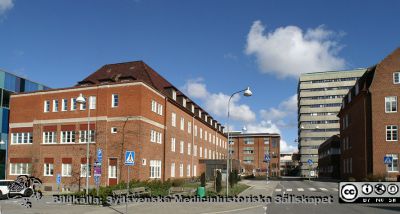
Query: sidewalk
[259,187]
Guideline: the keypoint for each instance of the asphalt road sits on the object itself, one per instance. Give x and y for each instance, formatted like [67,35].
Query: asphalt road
[274,189]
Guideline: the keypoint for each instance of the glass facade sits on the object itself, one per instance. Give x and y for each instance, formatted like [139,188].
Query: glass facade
[9,84]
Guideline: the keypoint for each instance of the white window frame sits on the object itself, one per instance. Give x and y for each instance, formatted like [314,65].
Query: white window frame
[201,152]
[69,138]
[64,105]
[392,129]
[181,147]
[83,136]
[394,77]
[21,138]
[181,170]
[155,168]
[20,168]
[182,123]
[114,100]
[66,170]
[114,130]
[92,102]
[389,100]
[395,157]
[55,105]
[49,137]
[173,119]
[172,170]
[154,106]
[189,127]
[83,173]
[74,104]
[159,109]
[194,170]
[173,144]
[48,169]
[112,171]
[189,148]
[46,106]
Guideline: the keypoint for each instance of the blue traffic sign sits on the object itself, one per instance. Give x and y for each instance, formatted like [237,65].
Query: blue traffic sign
[310,162]
[58,179]
[388,160]
[129,158]
[97,180]
[267,158]
[99,155]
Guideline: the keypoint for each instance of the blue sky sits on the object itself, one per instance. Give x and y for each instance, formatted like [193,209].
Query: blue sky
[212,47]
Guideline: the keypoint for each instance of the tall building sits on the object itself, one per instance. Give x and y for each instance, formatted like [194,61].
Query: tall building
[319,99]
[370,122]
[10,84]
[251,148]
[129,107]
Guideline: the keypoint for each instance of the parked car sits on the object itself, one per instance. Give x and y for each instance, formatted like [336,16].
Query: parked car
[4,188]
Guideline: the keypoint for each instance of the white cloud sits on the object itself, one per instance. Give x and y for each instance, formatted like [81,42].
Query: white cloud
[217,103]
[289,51]
[263,127]
[285,147]
[5,5]
[286,109]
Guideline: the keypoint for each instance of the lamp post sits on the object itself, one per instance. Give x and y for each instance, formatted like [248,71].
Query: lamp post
[246,93]
[82,100]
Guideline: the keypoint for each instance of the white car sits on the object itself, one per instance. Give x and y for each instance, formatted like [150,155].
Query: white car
[4,189]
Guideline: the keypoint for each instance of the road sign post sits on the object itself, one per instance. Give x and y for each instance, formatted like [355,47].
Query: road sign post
[267,159]
[129,161]
[387,160]
[58,182]
[310,163]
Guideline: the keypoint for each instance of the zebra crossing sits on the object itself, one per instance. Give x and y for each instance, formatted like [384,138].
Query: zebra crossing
[311,189]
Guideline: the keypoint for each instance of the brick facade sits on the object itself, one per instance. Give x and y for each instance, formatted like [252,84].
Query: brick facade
[133,120]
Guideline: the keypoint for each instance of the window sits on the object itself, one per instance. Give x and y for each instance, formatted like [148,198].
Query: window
[21,138]
[189,148]
[153,106]
[205,135]
[195,130]
[73,104]
[48,169]
[159,137]
[172,170]
[391,133]
[209,137]
[201,133]
[115,100]
[182,123]
[181,147]
[92,102]
[172,144]
[144,161]
[112,171]
[49,137]
[114,130]
[173,119]
[195,150]
[189,127]
[155,137]
[64,105]
[188,170]
[201,152]
[181,170]
[67,136]
[205,153]
[83,106]
[66,169]
[394,166]
[83,170]
[83,136]
[55,105]
[173,94]
[159,109]
[390,104]
[20,168]
[155,169]
[46,106]
[396,77]
[195,170]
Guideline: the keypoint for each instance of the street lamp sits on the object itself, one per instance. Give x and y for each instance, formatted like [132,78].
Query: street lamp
[82,100]
[247,93]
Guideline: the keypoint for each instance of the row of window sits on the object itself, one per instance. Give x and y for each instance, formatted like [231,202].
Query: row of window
[332,80]
[181,168]
[323,97]
[319,114]
[210,154]
[51,137]
[326,89]
[54,105]
[156,107]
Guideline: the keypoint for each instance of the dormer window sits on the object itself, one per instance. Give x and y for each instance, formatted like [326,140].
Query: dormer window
[192,108]
[205,118]
[211,120]
[184,102]
[173,94]
[200,113]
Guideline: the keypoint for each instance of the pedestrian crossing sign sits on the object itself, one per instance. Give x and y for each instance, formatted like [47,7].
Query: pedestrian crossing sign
[129,158]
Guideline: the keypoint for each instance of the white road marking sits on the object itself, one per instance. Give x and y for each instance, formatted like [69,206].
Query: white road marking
[289,190]
[235,210]
[312,189]
[278,190]
[300,189]
[323,189]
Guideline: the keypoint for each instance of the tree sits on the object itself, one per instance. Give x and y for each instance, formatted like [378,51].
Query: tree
[218,182]
[203,179]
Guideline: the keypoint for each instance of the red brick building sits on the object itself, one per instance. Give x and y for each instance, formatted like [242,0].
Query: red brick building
[131,108]
[370,122]
[250,149]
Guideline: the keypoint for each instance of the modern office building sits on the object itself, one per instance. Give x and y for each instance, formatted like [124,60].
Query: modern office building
[250,149]
[319,99]
[129,107]
[10,84]
[370,122]
[329,158]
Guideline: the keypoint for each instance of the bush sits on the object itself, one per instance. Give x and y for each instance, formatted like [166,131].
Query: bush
[203,179]
[178,182]
[218,182]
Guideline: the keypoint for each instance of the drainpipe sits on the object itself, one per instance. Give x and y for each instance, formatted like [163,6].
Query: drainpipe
[192,148]
[164,140]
